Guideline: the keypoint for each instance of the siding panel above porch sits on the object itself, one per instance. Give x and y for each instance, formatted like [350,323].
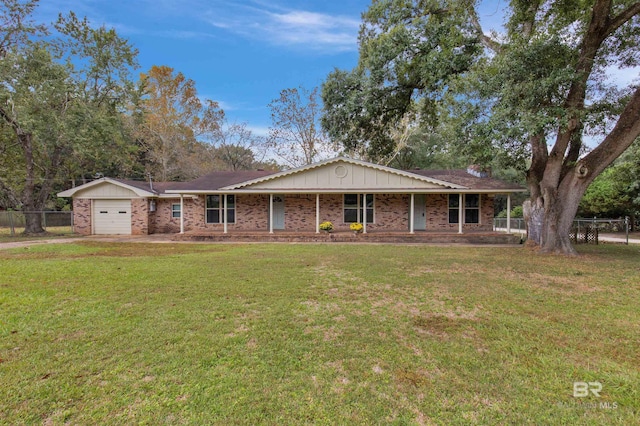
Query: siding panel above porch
[345,176]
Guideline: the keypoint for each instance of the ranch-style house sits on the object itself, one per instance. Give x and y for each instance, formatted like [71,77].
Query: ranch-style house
[340,190]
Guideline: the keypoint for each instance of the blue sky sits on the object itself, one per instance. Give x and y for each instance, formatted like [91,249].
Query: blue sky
[240,54]
[243,53]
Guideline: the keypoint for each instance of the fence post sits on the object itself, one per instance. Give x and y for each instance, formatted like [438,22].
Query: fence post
[44,220]
[626,227]
[11,228]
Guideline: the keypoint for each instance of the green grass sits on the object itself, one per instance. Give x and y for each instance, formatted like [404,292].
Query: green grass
[53,232]
[97,333]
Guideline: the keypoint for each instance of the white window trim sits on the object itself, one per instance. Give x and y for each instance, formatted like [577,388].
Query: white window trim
[220,209]
[174,210]
[359,209]
[464,216]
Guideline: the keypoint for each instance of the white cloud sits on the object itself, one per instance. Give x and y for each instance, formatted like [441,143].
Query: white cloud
[294,28]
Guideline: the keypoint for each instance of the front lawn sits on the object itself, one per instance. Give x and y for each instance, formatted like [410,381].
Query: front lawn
[99,333]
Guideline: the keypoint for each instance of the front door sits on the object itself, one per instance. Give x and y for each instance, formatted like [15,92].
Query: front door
[278,212]
[420,212]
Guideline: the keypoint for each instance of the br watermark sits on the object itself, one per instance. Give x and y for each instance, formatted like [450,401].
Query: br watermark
[584,389]
[586,396]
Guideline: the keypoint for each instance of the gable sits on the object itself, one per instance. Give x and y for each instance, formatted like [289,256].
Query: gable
[105,188]
[344,175]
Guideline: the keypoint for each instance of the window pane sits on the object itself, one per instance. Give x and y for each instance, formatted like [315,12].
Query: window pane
[350,215]
[231,215]
[231,201]
[370,200]
[213,216]
[369,215]
[454,200]
[213,201]
[453,215]
[471,216]
[351,200]
[472,200]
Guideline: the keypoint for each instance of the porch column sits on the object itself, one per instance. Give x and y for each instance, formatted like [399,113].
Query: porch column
[271,213]
[509,213]
[224,212]
[317,213]
[411,208]
[460,212]
[182,213]
[364,213]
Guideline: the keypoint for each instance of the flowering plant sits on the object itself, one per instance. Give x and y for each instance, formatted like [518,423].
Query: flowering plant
[326,226]
[356,227]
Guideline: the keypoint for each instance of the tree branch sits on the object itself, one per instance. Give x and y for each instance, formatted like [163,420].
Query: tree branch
[623,17]
[625,132]
[488,42]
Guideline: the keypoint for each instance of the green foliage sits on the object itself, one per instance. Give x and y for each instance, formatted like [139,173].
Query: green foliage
[61,98]
[616,192]
[516,212]
[409,54]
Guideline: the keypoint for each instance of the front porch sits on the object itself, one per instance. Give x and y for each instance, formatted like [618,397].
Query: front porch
[419,237]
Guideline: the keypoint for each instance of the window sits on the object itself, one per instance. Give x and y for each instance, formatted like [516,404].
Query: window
[175,210]
[471,208]
[454,207]
[353,206]
[215,208]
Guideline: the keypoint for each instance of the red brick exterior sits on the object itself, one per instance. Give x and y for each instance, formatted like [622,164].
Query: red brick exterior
[82,216]
[139,216]
[391,213]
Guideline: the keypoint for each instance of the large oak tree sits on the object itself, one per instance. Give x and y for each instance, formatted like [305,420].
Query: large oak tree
[537,87]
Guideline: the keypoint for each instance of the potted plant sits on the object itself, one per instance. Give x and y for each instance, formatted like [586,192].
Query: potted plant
[326,226]
[356,227]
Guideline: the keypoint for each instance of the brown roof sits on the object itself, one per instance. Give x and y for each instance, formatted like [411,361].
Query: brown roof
[462,177]
[211,181]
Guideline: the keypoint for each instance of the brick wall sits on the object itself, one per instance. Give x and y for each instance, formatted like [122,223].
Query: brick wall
[82,216]
[139,216]
[252,214]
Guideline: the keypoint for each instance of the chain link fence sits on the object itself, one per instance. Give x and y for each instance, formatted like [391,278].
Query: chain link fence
[13,223]
[583,231]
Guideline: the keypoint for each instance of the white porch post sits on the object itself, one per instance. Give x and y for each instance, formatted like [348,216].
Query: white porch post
[509,213]
[411,212]
[460,212]
[317,213]
[364,213]
[224,212]
[182,213]
[271,213]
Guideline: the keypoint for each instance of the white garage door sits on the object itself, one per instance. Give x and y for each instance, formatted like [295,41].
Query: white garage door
[112,217]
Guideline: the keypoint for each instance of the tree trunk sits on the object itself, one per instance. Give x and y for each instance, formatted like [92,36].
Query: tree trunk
[33,223]
[550,216]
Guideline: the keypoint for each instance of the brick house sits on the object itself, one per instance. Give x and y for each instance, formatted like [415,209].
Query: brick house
[340,190]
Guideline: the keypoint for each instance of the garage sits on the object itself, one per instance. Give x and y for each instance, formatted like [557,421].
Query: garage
[112,217]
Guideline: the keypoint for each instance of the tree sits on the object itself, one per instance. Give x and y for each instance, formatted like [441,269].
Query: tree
[537,90]
[616,191]
[234,147]
[296,136]
[172,122]
[60,96]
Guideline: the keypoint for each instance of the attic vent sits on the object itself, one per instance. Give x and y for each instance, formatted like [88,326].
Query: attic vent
[478,171]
